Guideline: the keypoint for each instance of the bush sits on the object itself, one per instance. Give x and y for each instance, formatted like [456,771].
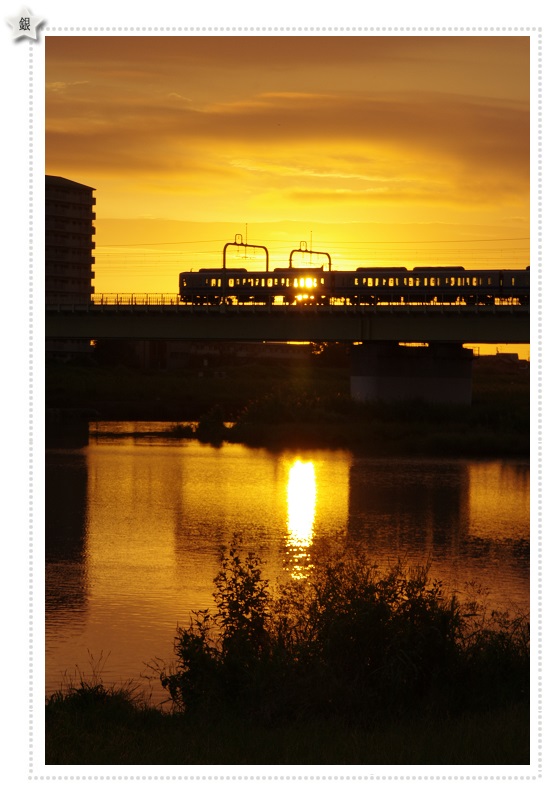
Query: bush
[351,641]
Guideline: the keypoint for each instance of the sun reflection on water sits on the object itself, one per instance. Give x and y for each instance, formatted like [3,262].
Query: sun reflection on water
[301,506]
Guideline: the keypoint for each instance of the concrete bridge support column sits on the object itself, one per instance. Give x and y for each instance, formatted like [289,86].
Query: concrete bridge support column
[387,371]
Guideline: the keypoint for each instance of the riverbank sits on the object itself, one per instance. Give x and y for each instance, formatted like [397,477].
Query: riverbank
[118,730]
[303,405]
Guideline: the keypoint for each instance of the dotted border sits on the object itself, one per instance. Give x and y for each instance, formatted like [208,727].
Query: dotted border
[539,356]
[31,168]
[539,404]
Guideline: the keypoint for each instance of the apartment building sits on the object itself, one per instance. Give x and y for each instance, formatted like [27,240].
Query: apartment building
[69,245]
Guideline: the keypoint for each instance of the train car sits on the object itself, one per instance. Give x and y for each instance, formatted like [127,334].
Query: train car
[439,285]
[369,286]
[214,286]
[456,285]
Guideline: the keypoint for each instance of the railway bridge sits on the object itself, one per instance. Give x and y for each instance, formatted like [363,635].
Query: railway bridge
[382,366]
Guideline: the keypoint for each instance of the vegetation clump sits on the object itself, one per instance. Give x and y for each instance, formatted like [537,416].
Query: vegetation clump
[350,641]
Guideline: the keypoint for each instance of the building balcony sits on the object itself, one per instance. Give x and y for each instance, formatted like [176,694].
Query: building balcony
[68,256]
[69,211]
[68,226]
[80,242]
[69,273]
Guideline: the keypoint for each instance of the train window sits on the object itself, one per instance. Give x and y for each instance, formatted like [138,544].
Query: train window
[270,282]
[231,282]
[356,282]
[513,281]
[474,281]
[432,281]
[489,281]
[183,282]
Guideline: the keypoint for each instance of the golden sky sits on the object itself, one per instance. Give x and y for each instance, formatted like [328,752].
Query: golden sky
[405,150]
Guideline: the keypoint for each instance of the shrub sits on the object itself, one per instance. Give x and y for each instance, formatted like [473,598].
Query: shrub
[351,641]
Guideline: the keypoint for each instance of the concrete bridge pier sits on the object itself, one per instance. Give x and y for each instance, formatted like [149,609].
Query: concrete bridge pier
[439,373]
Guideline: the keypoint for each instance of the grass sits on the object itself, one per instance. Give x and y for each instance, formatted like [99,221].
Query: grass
[352,666]
[116,734]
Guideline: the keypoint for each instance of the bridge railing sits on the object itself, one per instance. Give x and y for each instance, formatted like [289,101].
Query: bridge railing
[135,299]
[167,300]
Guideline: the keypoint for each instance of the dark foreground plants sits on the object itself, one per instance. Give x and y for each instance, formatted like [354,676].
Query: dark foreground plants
[353,665]
[350,642]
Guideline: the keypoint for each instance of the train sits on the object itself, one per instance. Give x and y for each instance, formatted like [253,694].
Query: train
[364,286]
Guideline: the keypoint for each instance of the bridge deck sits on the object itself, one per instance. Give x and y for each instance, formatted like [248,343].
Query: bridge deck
[423,323]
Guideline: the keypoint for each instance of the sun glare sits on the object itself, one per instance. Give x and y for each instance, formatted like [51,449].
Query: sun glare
[301,507]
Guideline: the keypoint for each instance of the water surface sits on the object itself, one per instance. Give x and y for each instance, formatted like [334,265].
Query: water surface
[134,528]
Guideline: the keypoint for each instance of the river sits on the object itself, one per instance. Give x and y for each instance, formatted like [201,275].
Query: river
[134,525]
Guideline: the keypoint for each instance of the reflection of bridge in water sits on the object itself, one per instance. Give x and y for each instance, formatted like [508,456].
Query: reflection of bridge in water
[452,514]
